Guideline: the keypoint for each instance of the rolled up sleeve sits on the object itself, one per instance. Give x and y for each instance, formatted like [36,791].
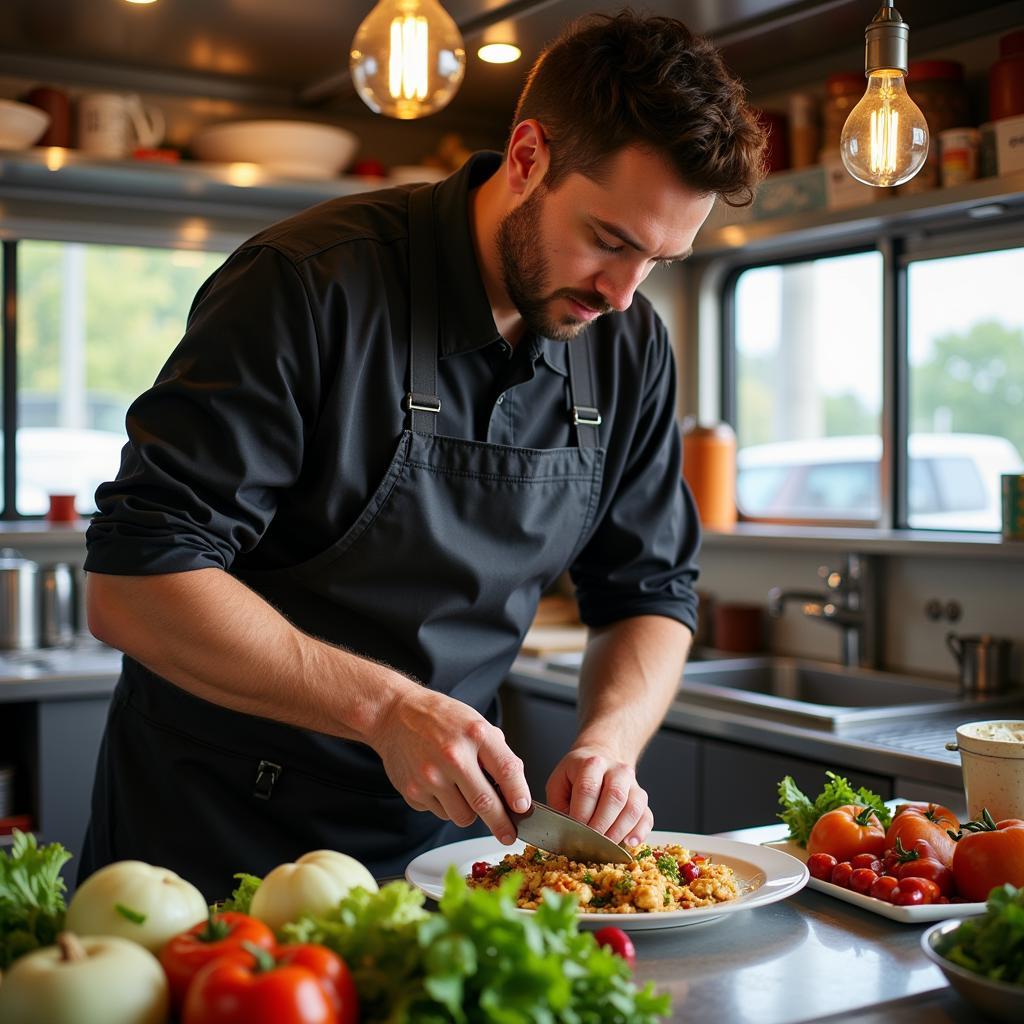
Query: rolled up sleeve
[641,558]
[222,431]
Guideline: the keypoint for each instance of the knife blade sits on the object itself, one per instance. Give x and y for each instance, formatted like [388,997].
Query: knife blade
[554,832]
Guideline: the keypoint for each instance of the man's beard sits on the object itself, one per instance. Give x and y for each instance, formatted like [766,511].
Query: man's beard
[524,272]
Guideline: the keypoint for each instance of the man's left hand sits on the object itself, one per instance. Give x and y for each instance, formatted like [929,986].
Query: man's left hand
[594,787]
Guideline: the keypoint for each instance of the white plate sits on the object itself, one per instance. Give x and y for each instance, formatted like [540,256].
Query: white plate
[907,915]
[764,876]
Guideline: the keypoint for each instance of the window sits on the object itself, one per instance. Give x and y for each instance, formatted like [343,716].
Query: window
[808,388]
[94,325]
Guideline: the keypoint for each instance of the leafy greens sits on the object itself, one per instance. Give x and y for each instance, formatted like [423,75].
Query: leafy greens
[992,945]
[31,896]
[800,813]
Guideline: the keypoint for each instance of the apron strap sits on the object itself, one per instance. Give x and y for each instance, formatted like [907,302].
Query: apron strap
[421,401]
[586,417]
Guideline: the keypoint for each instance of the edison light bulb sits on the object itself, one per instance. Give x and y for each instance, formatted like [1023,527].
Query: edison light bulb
[407,58]
[885,138]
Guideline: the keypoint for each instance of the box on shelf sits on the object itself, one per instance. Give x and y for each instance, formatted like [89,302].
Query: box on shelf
[842,189]
[1006,136]
[789,192]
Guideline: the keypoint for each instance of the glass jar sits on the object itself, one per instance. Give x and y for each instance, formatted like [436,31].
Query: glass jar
[843,92]
[937,87]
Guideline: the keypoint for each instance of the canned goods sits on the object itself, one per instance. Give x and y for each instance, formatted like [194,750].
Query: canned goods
[958,155]
[1013,505]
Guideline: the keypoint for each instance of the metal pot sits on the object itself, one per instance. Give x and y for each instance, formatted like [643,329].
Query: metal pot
[984,662]
[19,608]
[58,612]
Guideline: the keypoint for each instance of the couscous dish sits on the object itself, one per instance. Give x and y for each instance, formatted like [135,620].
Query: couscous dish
[660,879]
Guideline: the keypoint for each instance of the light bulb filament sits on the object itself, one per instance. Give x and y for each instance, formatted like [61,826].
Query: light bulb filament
[885,126]
[408,61]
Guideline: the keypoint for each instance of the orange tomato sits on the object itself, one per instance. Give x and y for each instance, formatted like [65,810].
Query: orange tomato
[847,831]
[928,822]
[988,854]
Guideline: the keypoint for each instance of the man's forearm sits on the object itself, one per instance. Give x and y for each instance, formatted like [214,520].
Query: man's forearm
[631,671]
[214,637]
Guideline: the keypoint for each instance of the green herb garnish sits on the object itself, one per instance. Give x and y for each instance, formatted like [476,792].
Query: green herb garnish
[130,915]
[993,944]
[625,883]
[644,851]
[538,857]
[241,899]
[588,878]
[800,813]
[668,866]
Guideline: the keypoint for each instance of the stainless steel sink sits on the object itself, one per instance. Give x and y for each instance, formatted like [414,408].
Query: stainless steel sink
[822,695]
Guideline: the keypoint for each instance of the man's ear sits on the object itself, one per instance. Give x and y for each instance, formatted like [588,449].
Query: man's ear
[528,157]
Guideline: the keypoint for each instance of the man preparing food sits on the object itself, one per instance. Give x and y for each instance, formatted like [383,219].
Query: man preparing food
[392,422]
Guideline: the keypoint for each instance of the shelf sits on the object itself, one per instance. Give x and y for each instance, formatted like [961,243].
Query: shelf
[971,202]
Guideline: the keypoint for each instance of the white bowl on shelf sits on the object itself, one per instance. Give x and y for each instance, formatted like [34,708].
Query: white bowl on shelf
[21,124]
[288,149]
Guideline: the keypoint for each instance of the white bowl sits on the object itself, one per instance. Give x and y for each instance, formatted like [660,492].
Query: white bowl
[21,124]
[996,999]
[291,149]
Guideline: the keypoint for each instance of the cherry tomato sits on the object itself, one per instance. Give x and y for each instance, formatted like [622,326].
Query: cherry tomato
[689,872]
[618,942]
[988,854]
[932,869]
[928,889]
[901,897]
[480,869]
[820,866]
[841,874]
[930,826]
[862,880]
[847,831]
[867,860]
[184,954]
[883,888]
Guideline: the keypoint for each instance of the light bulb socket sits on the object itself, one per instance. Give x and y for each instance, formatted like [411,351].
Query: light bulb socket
[886,41]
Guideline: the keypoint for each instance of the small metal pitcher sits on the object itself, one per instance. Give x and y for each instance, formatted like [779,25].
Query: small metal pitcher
[984,661]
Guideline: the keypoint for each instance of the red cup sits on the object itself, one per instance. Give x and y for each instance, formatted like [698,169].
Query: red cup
[62,509]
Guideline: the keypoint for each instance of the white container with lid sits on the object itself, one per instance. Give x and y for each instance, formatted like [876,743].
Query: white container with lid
[992,757]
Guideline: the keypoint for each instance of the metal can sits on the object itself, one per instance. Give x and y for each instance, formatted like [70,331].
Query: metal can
[958,155]
[1013,505]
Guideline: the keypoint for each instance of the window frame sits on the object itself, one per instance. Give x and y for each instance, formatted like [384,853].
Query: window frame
[900,245]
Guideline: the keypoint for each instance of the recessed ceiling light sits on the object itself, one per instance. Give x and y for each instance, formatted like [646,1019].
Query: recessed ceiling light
[141,1]
[499,53]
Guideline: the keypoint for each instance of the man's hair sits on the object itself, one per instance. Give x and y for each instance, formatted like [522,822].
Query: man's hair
[613,81]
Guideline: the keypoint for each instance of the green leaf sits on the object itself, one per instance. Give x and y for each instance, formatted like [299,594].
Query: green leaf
[240,900]
[130,915]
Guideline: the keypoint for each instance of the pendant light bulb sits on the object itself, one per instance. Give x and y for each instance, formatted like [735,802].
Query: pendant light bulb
[407,58]
[885,138]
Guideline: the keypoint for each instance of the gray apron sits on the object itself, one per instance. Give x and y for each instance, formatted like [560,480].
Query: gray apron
[439,577]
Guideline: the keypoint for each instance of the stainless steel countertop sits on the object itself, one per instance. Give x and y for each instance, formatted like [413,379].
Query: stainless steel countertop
[88,669]
[806,958]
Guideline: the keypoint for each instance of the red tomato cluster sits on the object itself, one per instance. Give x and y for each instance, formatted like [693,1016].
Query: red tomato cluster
[924,856]
[230,970]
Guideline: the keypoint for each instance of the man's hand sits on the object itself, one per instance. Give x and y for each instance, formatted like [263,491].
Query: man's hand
[590,785]
[438,754]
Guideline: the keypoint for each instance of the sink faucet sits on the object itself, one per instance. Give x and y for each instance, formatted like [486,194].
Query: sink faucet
[850,601]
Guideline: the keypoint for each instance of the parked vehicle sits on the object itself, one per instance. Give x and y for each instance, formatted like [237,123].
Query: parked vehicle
[953,479]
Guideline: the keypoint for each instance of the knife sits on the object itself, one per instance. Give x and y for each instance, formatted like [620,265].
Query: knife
[554,832]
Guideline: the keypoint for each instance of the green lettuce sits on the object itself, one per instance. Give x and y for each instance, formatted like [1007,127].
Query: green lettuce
[992,945]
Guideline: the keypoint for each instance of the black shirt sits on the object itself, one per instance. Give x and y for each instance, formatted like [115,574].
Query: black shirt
[277,414]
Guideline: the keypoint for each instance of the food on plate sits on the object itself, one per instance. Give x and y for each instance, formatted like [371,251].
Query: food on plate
[303,984]
[93,980]
[801,813]
[846,832]
[661,879]
[136,901]
[928,822]
[312,884]
[993,944]
[31,896]
[221,933]
[988,853]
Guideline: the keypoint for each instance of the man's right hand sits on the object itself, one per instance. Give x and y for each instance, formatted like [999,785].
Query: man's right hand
[438,754]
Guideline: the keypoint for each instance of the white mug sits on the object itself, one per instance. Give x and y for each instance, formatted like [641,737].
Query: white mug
[111,124]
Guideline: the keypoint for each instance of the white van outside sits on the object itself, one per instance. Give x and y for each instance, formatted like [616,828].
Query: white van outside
[953,479]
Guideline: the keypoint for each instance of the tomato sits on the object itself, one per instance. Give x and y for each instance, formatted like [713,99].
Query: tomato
[928,889]
[480,869]
[331,971]
[942,816]
[883,888]
[184,954]
[862,880]
[618,942]
[820,866]
[866,860]
[932,869]
[847,831]
[251,986]
[689,872]
[988,854]
[929,825]
[841,874]
[901,897]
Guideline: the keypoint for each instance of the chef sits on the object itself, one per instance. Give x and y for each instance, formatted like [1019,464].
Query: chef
[392,422]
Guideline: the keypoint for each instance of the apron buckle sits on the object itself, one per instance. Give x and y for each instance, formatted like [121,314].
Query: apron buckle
[266,775]
[586,416]
[422,403]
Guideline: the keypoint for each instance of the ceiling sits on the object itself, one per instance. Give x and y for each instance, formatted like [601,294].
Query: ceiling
[296,52]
